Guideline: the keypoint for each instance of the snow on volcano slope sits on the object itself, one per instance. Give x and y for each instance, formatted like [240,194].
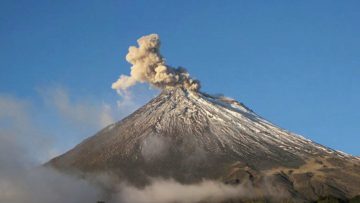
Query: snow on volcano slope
[189,136]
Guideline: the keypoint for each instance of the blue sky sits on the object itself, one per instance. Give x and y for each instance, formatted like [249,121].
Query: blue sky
[296,63]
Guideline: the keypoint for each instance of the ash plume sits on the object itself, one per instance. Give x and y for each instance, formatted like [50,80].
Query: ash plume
[148,65]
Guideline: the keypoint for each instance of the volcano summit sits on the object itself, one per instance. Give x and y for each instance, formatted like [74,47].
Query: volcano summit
[189,136]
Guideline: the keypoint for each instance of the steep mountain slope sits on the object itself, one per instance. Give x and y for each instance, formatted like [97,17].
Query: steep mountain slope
[190,136]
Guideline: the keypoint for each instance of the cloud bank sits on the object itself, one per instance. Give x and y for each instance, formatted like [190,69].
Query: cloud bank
[149,66]
[165,191]
[22,147]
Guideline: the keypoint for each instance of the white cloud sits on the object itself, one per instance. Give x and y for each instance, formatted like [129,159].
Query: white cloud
[79,113]
[164,191]
[126,101]
[17,130]
[22,147]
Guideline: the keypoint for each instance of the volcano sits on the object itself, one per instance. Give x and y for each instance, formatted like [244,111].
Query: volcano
[190,136]
[187,136]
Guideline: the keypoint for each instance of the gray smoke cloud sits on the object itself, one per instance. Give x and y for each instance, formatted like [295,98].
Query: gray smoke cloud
[149,66]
